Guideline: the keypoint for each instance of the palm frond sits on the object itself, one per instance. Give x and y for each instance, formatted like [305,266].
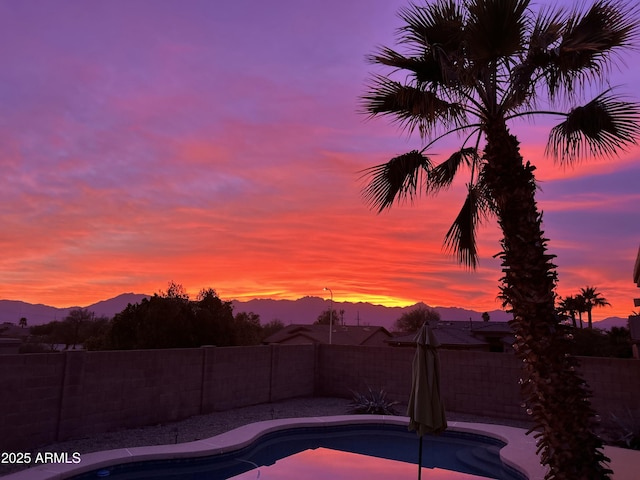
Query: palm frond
[398,179]
[602,127]
[411,107]
[587,42]
[546,32]
[427,69]
[439,24]
[442,175]
[435,33]
[495,30]
[460,240]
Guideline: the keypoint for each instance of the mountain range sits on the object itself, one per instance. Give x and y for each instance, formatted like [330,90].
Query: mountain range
[303,311]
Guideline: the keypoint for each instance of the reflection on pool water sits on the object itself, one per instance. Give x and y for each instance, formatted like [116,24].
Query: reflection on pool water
[334,451]
[325,463]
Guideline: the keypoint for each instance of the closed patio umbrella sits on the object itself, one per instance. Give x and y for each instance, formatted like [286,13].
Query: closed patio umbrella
[426,410]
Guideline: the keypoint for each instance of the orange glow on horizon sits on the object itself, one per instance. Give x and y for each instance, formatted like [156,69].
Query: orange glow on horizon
[372,299]
[621,299]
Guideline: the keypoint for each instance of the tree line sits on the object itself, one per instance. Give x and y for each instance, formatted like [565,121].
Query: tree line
[588,342]
[166,320]
[584,302]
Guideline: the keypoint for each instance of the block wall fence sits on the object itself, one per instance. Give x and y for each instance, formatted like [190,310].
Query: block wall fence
[46,398]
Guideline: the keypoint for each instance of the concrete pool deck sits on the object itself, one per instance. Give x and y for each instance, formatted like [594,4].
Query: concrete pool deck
[518,453]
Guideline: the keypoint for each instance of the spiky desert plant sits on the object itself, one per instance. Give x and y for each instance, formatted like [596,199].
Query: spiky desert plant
[372,402]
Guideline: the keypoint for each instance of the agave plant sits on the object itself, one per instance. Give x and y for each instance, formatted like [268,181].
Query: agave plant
[628,431]
[372,402]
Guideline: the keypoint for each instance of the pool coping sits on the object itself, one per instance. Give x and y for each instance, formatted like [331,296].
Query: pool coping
[518,453]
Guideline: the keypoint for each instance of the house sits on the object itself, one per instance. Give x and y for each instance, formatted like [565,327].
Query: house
[11,337]
[456,335]
[296,334]
[634,320]
[9,345]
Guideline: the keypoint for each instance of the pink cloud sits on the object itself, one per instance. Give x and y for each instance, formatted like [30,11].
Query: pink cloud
[172,145]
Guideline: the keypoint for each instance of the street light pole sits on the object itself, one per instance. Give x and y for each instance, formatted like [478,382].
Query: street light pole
[330,313]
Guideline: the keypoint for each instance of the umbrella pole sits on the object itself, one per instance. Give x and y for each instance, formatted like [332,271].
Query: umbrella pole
[420,460]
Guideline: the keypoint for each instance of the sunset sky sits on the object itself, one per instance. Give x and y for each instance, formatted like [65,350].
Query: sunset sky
[218,144]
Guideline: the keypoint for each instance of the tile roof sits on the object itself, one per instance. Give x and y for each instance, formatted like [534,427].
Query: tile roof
[341,334]
[456,334]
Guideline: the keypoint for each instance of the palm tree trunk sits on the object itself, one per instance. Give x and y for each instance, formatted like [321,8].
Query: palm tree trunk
[555,395]
[589,317]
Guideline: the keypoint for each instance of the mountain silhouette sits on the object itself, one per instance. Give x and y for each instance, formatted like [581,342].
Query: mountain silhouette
[13,310]
[302,311]
[307,309]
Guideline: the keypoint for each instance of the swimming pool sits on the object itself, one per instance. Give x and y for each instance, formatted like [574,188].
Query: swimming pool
[456,451]
[487,450]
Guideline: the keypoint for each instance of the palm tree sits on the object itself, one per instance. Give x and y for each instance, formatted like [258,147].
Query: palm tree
[592,298]
[567,306]
[470,68]
[581,307]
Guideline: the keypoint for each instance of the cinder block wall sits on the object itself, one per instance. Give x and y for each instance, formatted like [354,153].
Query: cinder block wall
[237,376]
[293,371]
[104,391]
[343,369]
[50,397]
[615,383]
[480,383]
[30,396]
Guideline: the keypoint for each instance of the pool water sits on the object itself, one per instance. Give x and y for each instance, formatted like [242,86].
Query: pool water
[324,463]
[321,452]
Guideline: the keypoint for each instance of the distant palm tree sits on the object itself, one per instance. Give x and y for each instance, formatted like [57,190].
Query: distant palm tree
[567,306]
[23,322]
[470,67]
[592,298]
[581,307]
